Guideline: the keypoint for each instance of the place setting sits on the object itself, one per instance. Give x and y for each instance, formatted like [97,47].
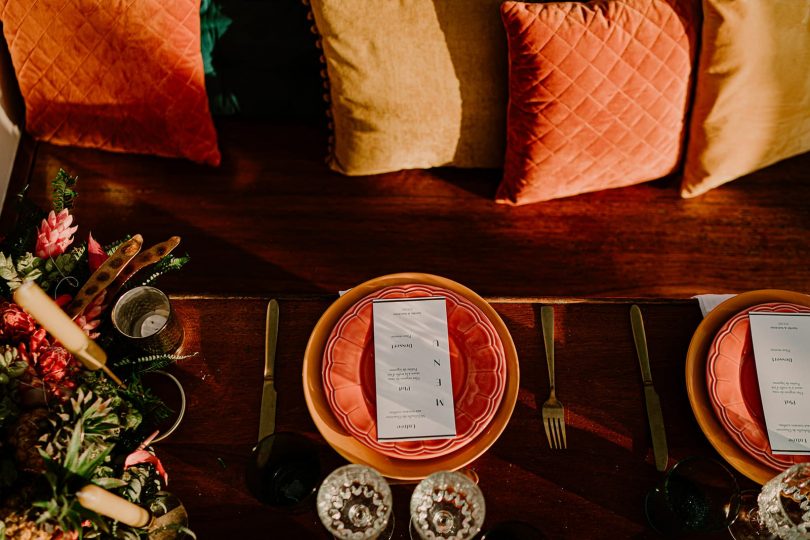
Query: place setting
[412,377]
[748,383]
[409,377]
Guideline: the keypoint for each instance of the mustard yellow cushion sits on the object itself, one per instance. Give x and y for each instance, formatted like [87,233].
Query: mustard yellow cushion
[414,84]
[752,101]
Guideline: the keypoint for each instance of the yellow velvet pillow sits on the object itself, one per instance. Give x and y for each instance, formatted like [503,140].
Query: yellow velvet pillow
[752,102]
[414,84]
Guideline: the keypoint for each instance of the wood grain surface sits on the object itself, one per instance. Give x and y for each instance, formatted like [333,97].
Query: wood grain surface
[594,489]
[273,219]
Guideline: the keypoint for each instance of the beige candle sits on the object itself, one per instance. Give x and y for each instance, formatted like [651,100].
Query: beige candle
[39,305]
[114,507]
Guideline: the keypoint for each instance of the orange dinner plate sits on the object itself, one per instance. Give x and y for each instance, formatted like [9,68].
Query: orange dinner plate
[731,377]
[696,384]
[356,451]
[477,360]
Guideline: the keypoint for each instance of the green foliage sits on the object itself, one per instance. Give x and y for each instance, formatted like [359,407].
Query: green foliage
[140,483]
[61,271]
[109,249]
[62,508]
[46,273]
[123,400]
[84,431]
[63,193]
[23,236]
[15,274]
[167,264]
[11,368]
[152,362]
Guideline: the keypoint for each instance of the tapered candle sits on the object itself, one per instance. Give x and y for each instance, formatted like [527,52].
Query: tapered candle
[108,504]
[47,313]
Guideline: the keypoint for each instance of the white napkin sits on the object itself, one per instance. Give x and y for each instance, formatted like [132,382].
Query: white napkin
[710,301]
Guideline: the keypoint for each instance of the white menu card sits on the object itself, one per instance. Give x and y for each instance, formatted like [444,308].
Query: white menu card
[782,353]
[412,370]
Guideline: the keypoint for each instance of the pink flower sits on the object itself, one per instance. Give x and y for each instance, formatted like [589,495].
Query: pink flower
[55,234]
[90,318]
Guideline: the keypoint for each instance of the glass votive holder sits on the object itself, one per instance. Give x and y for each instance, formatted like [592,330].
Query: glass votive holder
[144,316]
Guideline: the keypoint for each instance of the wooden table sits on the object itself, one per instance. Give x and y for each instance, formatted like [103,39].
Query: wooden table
[274,219]
[594,489]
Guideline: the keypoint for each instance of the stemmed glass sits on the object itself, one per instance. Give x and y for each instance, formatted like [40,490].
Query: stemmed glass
[354,503]
[781,510]
[447,505]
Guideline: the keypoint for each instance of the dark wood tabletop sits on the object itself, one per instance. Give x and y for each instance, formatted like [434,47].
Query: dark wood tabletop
[273,218]
[594,489]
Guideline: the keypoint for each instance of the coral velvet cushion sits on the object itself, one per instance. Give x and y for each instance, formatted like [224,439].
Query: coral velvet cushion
[598,95]
[121,76]
[752,99]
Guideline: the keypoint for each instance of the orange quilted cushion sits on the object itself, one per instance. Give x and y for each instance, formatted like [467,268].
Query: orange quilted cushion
[122,76]
[752,98]
[598,95]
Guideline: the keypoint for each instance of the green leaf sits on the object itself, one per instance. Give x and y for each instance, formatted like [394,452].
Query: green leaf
[8,272]
[63,192]
[109,483]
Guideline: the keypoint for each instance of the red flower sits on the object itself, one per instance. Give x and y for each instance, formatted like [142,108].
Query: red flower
[15,324]
[143,456]
[31,350]
[95,254]
[57,368]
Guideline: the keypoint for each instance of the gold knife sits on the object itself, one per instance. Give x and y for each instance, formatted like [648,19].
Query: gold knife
[267,417]
[654,415]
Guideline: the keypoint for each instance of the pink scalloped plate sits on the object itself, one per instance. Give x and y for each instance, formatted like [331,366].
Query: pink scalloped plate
[477,364]
[731,377]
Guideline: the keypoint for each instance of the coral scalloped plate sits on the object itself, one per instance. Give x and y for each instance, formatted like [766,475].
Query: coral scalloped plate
[477,364]
[731,378]
[697,388]
[355,451]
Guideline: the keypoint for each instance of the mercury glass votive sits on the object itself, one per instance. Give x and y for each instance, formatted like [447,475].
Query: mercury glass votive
[145,317]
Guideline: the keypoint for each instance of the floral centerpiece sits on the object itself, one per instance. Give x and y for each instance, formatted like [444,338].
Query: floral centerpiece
[63,427]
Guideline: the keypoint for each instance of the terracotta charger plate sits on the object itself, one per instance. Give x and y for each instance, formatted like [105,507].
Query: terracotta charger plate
[354,450]
[733,387]
[478,368]
[696,384]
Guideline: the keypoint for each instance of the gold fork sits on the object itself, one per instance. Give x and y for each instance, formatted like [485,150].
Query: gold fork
[553,410]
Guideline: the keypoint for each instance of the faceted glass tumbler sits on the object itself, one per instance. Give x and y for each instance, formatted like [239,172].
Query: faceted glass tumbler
[354,503]
[784,503]
[447,505]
